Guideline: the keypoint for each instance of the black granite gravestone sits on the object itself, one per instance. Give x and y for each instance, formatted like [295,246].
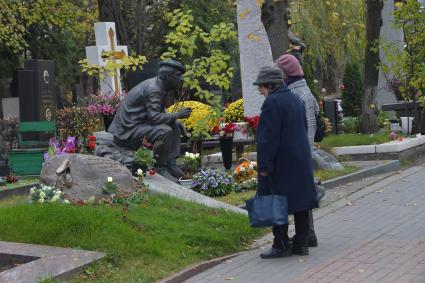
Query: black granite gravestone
[35,86]
[330,109]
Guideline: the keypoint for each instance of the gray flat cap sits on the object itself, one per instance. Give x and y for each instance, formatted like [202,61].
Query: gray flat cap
[269,76]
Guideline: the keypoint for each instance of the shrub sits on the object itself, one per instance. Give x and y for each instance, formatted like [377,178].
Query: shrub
[235,112]
[76,121]
[202,116]
[352,90]
[212,183]
[352,125]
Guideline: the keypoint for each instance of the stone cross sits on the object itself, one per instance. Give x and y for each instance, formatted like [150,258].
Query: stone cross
[255,52]
[106,40]
[388,35]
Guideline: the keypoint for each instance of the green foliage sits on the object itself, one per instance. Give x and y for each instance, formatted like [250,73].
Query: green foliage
[353,90]
[112,64]
[211,69]
[407,64]
[330,29]
[324,175]
[153,240]
[352,125]
[144,157]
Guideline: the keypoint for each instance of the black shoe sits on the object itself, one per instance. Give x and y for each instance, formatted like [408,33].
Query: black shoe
[276,253]
[174,170]
[300,250]
[311,242]
[164,173]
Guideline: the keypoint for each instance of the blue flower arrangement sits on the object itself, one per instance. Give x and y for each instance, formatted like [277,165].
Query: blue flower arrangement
[212,183]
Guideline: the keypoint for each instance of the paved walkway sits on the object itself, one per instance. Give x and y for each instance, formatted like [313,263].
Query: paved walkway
[374,235]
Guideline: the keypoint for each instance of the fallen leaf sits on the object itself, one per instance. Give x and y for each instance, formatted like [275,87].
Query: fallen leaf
[361,270]
[346,219]
[229,278]
[228,261]
[349,204]
[301,260]
[379,191]
[349,184]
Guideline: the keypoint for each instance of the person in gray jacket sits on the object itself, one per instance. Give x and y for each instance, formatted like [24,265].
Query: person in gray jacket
[294,79]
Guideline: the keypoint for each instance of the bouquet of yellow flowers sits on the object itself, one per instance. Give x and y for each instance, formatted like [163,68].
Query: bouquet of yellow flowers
[246,173]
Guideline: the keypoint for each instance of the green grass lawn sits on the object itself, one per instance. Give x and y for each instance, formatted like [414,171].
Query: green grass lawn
[21,182]
[352,140]
[145,244]
[239,199]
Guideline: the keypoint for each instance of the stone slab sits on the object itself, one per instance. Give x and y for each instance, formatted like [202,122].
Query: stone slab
[159,184]
[362,149]
[53,262]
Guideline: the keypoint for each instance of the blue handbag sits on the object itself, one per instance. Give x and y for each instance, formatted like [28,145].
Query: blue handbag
[268,210]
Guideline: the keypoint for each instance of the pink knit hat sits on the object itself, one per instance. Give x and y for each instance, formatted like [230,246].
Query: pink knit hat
[290,66]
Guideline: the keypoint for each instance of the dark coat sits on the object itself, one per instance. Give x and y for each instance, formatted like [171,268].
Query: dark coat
[284,152]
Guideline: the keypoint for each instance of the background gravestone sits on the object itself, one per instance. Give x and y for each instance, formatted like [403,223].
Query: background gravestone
[35,87]
[254,51]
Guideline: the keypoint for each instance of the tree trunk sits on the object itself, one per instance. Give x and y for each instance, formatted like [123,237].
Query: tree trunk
[371,67]
[275,21]
[140,22]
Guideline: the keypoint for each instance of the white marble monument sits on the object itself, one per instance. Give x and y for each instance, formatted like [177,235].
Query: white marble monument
[255,52]
[106,40]
[393,36]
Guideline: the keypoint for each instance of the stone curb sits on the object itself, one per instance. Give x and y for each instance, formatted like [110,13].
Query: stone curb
[24,190]
[390,166]
[196,269]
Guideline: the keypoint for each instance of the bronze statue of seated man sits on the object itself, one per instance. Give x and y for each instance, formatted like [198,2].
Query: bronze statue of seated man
[142,115]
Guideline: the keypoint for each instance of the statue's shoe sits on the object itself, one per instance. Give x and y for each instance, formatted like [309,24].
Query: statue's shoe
[175,171]
[164,173]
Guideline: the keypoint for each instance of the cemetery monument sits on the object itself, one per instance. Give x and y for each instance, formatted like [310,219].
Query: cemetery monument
[141,116]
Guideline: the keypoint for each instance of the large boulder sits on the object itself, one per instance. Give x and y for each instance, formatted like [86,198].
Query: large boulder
[89,173]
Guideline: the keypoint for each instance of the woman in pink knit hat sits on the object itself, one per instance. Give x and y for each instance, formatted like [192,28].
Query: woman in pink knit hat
[294,79]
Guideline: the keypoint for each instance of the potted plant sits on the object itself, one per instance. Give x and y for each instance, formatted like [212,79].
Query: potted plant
[212,183]
[105,105]
[191,165]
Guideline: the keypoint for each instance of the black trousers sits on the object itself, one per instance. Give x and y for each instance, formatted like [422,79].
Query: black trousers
[280,232]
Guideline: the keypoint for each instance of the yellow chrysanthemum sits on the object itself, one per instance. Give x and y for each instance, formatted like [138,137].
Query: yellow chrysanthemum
[200,112]
[235,112]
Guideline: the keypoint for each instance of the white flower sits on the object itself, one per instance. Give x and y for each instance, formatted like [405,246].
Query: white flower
[187,154]
[251,166]
[32,190]
[41,200]
[140,172]
[66,201]
[55,198]
[243,169]
[197,155]
[192,155]
[42,195]
[316,81]
[110,180]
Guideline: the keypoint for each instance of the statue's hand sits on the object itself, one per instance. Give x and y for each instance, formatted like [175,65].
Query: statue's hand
[181,128]
[184,113]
